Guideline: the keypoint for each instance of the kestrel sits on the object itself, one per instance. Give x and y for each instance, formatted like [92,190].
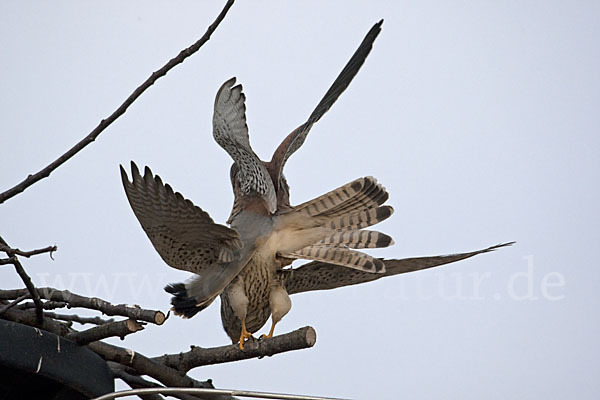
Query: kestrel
[245,262]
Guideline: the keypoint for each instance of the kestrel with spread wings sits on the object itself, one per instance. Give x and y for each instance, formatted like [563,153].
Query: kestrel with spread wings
[246,262]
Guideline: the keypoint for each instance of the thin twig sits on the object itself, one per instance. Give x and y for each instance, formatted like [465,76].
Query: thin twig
[12,252]
[35,296]
[45,172]
[6,261]
[77,318]
[13,303]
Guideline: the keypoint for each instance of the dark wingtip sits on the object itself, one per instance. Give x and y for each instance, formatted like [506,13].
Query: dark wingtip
[507,244]
[148,172]
[135,172]
[375,29]
[230,82]
[124,176]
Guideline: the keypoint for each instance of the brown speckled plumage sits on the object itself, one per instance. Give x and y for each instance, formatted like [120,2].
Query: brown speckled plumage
[256,278]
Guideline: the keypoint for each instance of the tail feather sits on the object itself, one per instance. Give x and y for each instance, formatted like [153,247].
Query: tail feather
[356,239]
[359,195]
[373,195]
[340,256]
[343,213]
[362,219]
[183,301]
[329,201]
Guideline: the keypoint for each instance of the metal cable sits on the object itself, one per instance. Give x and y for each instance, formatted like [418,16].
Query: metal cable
[241,393]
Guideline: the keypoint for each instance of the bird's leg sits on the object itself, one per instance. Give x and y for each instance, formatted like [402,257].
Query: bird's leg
[270,334]
[244,334]
[239,304]
[280,304]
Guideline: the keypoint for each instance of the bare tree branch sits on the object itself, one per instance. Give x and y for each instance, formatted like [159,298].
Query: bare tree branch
[198,356]
[18,252]
[28,317]
[6,261]
[47,305]
[93,303]
[114,329]
[45,172]
[35,296]
[144,366]
[77,318]
[13,303]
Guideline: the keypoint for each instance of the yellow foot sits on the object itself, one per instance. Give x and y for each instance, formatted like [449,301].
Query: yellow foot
[244,335]
[270,334]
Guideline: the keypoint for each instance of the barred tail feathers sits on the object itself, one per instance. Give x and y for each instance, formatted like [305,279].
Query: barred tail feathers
[341,256]
[357,239]
[359,195]
[361,219]
[344,212]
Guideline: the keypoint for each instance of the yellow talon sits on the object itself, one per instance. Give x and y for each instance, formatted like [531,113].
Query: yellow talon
[244,335]
[270,334]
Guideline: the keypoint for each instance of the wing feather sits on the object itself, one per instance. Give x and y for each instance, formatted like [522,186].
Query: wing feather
[295,139]
[183,234]
[231,133]
[324,276]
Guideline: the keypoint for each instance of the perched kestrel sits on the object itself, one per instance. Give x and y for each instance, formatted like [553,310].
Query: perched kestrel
[244,263]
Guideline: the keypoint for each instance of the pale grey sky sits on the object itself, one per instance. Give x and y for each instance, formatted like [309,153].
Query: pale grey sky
[481,119]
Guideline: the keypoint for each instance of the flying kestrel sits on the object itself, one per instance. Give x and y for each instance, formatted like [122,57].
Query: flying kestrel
[244,263]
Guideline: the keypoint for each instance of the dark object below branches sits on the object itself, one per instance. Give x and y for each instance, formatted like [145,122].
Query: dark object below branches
[35,363]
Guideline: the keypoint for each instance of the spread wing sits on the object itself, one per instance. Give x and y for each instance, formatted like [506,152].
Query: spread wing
[295,139]
[183,234]
[324,276]
[231,133]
